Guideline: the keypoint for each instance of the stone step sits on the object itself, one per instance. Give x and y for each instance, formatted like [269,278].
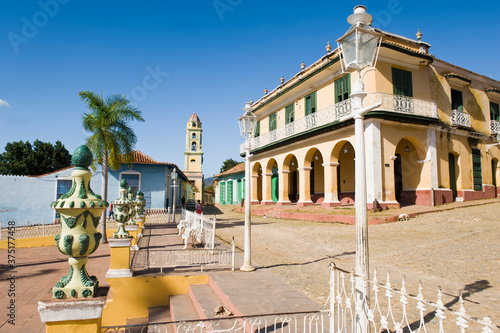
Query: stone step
[205,300]
[182,308]
[159,314]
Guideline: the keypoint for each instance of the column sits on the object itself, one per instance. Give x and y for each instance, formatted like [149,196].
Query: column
[432,158]
[267,198]
[283,188]
[331,190]
[374,162]
[304,187]
[255,190]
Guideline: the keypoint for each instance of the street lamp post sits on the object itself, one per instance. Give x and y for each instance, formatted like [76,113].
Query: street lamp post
[247,125]
[174,179]
[359,47]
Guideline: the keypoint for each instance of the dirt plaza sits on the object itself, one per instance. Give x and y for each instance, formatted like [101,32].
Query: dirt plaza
[456,249]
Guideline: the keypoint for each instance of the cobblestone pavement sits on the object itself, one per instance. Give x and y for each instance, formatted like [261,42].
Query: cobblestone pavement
[458,249]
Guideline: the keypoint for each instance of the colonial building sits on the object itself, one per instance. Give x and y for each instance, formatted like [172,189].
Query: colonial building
[230,186]
[193,157]
[28,198]
[432,141]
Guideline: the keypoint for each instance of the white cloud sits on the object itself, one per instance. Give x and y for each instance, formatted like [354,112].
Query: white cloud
[4,103]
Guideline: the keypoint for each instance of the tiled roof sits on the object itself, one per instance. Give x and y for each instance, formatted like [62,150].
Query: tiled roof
[238,168]
[139,157]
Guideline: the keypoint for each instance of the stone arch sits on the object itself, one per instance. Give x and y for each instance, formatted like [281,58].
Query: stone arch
[272,181]
[408,165]
[290,178]
[256,183]
[315,183]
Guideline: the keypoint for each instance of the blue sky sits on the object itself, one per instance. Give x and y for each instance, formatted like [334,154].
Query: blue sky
[210,57]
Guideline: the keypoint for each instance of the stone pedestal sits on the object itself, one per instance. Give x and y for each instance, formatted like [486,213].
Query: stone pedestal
[72,315]
[133,229]
[119,265]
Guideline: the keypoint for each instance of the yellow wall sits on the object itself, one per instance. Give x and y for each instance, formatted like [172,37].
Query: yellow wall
[133,296]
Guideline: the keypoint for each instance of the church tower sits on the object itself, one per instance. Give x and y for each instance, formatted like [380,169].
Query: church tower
[193,156]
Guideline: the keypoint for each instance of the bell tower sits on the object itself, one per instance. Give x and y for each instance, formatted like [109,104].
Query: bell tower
[193,156]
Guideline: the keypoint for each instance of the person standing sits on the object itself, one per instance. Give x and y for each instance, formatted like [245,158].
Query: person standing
[111,213]
[199,207]
[183,201]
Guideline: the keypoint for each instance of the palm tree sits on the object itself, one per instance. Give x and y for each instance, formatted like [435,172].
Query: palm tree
[112,138]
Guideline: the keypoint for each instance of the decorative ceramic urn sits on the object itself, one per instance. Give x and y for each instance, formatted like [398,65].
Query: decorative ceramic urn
[80,210]
[139,206]
[131,207]
[122,212]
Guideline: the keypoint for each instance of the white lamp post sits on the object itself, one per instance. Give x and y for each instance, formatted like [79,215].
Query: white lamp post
[174,179]
[247,126]
[359,47]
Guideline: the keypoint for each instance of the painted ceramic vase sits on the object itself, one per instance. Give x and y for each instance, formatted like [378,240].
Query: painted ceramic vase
[80,210]
[122,211]
[139,206]
[131,207]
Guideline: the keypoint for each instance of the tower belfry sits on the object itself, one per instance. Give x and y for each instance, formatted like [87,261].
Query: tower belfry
[193,155]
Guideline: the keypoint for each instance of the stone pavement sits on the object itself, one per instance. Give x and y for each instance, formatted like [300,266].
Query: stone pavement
[37,270]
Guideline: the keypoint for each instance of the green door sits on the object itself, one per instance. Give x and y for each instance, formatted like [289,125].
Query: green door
[476,170]
[238,191]
[275,185]
[222,194]
[453,175]
[230,193]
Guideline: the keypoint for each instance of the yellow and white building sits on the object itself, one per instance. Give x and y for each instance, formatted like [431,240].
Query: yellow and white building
[434,139]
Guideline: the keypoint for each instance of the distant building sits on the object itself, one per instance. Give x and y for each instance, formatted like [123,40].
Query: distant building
[29,198]
[434,139]
[230,186]
[193,157]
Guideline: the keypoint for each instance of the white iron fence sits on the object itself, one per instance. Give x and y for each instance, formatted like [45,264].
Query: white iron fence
[197,227]
[395,310]
[303,322]
[459,118]
[495,127]
[146,259]
[333,113]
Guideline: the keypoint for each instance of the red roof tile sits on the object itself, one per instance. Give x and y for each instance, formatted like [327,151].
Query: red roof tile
[238,168]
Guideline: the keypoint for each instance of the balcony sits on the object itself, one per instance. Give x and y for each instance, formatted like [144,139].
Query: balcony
[495,127]
[459,118]
[333,113]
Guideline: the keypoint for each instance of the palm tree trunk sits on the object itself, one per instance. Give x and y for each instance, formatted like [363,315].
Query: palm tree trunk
[104,191]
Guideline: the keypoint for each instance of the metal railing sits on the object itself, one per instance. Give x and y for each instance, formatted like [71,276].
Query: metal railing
[396,310]
[495,127]
[390,102]
[459,118]
[146,259]
[43,229]
[303,322]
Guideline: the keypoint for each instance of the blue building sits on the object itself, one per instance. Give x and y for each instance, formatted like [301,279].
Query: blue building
[27,198]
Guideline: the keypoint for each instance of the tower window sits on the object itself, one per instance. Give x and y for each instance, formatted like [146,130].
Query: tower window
[193,146]
[193,161]
[193,136]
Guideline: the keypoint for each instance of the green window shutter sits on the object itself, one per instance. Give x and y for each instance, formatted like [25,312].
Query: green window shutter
[402,82]
[272,122]
[257,130]
[457,100]
[230,192]
[343,88]
[476,170]
[289,113]
[494,112]
[310,101]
